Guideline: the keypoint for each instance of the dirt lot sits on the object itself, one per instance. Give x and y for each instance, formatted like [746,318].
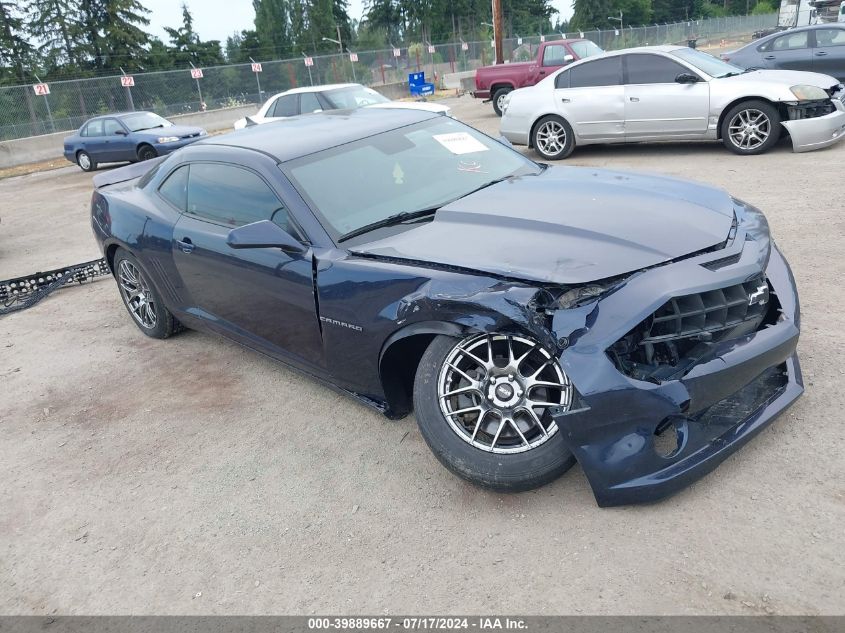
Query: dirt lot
[193,476]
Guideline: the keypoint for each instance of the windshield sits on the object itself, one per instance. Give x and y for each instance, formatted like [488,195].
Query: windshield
[707,63]
[354,97]
[144,121]
[421,166]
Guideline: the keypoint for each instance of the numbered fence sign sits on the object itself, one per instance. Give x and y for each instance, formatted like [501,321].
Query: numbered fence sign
[353,57]
[397,52]
[309,61]
[616,31]
[256,68]
[542,38]
[581,35]
[431,49]
[127,81]
[42,90]
[464,46]
[519,41]
[196,73]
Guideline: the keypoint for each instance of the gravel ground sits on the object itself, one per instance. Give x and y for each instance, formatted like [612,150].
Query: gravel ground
[193,476]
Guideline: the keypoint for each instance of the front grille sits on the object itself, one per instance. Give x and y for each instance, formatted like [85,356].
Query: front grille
[810,109]
[702,314]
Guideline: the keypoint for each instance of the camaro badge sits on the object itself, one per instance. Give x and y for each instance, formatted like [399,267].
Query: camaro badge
[761,295]
[357,328]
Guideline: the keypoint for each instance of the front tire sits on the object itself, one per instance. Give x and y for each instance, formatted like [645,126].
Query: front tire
[85,161]
[751,127]
[472,399]
[553,138]
[499,99]
[141,299]
[146,152]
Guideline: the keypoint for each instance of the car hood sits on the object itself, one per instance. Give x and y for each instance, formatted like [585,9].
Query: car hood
[786,78]
[568,225]
[182,131]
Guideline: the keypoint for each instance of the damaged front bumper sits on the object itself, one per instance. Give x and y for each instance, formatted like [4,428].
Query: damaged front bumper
[714,408]
[808,134]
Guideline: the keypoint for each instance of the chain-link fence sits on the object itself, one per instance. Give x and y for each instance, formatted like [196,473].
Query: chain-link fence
[70,103]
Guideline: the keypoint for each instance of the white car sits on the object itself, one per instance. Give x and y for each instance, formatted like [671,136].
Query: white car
[330,97]
[661,93]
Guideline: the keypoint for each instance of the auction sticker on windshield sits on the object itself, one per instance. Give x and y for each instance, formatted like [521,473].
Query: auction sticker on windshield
[460,143]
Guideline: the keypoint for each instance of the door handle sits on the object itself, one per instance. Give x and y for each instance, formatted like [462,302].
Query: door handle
[769,57]
[565,100]
[635,99]
[186,245]
[821,54]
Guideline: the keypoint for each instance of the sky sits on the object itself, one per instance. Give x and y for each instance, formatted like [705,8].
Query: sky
[217,19]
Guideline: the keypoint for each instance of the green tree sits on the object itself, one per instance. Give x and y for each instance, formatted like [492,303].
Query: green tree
[187,48]
[111,32]
[272,26]
[51,24]
[16,53]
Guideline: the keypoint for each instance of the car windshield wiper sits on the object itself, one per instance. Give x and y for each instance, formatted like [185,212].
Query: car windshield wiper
[406,216]
[391,220]
[148,128]
[730,74]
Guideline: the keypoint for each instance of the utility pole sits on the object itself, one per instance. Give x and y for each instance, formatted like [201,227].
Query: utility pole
[498,31]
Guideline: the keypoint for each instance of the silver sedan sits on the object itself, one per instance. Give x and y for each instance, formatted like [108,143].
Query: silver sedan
[663,93]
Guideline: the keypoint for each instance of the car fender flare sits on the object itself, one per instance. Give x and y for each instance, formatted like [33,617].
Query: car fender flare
[778,104]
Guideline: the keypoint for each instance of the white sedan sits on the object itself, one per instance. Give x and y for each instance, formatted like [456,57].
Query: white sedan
[330,97]
[662,93]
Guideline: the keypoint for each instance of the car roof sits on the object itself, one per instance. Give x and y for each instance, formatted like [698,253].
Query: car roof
[322,88]
[118,115]
[663,48]
[294,137]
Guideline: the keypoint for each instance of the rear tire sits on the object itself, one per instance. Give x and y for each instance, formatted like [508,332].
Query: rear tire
[498,99]
[501,471]
[85,162]
[146,152]
[141,299]
[751,127]
[553,138]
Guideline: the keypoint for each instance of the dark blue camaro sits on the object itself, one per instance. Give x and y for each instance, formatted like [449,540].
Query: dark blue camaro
[130,136]
[531,316]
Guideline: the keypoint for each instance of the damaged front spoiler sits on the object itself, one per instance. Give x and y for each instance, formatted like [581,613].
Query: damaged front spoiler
[712,411]
[818,132]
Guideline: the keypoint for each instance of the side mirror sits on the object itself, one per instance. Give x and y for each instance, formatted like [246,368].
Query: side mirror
[263,234]
[120,132]
[568,58]
[686,78]
[317,110]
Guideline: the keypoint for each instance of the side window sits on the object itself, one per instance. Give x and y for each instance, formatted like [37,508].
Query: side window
[94,128]
[308,102]
[175,188]
[286,106]
[553,55]
[110,127]
[585,48]
[652,69]
[232,196]
[601,72]
[830,37]
[790,42]
[562,80]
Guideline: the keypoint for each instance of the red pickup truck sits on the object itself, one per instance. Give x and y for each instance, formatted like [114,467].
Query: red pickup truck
[497,81]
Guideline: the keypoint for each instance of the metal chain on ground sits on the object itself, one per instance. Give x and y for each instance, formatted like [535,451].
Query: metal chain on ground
[24,292]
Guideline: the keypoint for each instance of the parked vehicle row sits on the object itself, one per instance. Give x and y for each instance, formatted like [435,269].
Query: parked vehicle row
[312,99]
[674,93]
[127,136]
[819,48]
[495,82]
